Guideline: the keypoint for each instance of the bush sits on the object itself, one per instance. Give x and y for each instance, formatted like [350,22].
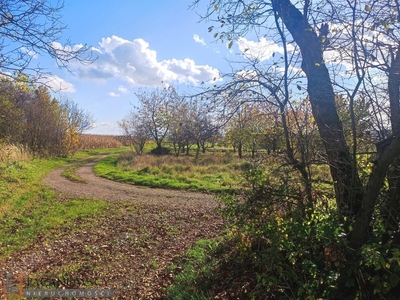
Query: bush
[274,249]
[160,151]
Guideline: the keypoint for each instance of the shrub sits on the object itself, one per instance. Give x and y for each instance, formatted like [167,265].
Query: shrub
[160,151]
[275,249]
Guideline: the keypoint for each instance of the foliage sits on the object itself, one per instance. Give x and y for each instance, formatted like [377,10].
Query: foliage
[271,250]
[47,126]
[341,48]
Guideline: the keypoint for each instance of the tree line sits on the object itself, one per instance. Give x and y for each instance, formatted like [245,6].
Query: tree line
[31,116]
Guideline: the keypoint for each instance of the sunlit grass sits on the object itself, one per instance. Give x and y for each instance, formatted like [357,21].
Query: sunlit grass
[29,208]
[210,173]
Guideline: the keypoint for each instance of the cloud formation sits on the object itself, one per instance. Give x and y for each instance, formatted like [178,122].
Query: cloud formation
[137,64]
[112,94]
[122,89]
[56,83]
[199,40]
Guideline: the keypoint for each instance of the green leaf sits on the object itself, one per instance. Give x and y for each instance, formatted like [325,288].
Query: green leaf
[394,279]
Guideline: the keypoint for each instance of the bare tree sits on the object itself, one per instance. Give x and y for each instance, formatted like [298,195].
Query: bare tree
[154,112]
[309,24]
[134,129]
[33,27]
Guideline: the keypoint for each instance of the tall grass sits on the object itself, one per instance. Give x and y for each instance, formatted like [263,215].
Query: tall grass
[97,141]
[210,172]
[12,152]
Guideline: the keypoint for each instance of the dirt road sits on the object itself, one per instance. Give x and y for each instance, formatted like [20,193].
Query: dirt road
[128,249]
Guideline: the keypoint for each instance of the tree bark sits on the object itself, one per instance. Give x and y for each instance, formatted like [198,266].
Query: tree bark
[348,187]
[392,208]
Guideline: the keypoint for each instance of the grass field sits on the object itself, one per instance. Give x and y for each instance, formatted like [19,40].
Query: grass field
[28,208]
[208,173]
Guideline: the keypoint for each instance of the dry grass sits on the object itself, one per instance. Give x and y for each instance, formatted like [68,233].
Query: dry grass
[11,152]
[136,162]
[96,141]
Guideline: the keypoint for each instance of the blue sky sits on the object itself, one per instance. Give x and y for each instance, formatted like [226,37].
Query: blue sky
[139,43]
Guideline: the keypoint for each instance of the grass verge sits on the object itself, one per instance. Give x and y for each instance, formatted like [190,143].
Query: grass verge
[70,174]
[191,274]
[29,209]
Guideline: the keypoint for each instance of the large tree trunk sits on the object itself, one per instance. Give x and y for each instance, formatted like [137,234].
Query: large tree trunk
[348,187]
[353,200]
[392,208]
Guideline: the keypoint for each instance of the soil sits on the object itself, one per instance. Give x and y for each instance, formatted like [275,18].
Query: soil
[129,249]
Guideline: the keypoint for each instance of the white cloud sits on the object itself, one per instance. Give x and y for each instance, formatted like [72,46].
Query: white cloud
[30,52]
[57,84]
[68,48]
[122,89]
[137,64]
[199,40]
[261,50]
[112,94]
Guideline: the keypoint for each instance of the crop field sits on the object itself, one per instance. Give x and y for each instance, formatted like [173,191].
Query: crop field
[97,141]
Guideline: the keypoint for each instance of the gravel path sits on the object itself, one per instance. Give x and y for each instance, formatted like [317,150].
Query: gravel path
[110,190]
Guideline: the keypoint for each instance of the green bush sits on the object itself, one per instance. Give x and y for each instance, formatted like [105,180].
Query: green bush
[274,248]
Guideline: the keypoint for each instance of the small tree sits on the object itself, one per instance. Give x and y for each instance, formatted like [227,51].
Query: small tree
[75,121]
[154,112]
[135,131]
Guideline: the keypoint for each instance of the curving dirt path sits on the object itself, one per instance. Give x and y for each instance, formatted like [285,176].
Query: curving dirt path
[110,190]
[128,249]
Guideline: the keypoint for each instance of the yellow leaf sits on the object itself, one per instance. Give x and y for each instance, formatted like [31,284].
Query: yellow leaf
[368,8]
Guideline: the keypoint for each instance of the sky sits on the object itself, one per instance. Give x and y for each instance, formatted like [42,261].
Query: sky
[138,44]
[142,44]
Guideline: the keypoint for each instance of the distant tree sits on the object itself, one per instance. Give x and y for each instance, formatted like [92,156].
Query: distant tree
[74,121]
[154,111]
[31,28]
[134,129]
[179,131]
[44,128]
[201,126]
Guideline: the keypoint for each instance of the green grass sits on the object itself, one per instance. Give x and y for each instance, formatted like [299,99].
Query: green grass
[28,208]
[70,174]
[190,283]
[211,173]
